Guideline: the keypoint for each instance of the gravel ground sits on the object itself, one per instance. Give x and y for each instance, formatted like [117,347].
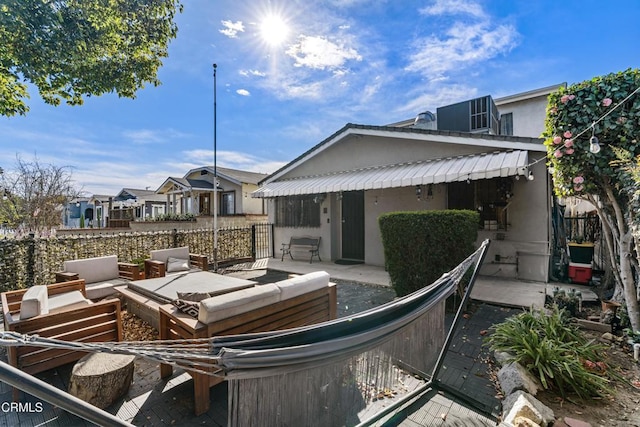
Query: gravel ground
[353,297]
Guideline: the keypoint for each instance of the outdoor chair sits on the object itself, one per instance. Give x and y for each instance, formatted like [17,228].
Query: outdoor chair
[61,311]
[174,260]
[101,274]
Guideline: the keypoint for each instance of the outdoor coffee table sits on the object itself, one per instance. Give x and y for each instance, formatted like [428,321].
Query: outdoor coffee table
[144,297]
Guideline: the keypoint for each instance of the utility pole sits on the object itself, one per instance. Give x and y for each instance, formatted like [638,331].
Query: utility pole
[215,173]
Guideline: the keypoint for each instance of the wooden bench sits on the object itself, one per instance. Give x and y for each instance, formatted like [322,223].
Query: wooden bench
[312,244]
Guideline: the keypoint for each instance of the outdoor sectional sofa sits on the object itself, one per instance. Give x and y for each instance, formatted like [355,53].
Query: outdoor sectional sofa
[62,311]
[299,301]
[101,274]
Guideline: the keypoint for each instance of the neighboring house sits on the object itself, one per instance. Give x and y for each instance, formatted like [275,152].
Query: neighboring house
[135,204]
[193,193]
[456,159]
[74,210]
[101,205]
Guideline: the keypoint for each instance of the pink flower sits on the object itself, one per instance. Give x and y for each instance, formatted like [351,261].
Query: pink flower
[557,140]
[568,143]
[569,151]
[564,99]
[578,187]
[567,134]
[606,102]
[557,154]
[578,179]
[571,97]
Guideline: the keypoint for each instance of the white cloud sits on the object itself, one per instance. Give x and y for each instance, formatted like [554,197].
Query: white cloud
[150,136]
[320,53]
[454,7]
[256,73]
[231,29]
[463,45]
[243,92]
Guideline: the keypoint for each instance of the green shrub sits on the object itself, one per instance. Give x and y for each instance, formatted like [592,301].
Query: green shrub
[555,351]
[420,246]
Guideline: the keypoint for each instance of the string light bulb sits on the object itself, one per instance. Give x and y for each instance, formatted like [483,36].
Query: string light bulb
[531,177]
[594,144]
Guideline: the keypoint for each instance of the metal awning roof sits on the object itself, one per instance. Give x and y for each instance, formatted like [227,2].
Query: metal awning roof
[474,167]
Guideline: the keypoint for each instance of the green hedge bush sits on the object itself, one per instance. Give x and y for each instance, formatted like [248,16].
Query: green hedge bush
[420,246]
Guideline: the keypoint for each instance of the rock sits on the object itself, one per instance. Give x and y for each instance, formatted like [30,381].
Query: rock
[514,377]
[608,336]
[572,422]
[101,378]
[502,357]
[524,422]
[522,404]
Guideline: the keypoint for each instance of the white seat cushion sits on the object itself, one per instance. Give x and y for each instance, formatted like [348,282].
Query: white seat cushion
[302,284]
[164,254]
[103,289]
[67,301]
[238,302]
[94,270]
[34,302]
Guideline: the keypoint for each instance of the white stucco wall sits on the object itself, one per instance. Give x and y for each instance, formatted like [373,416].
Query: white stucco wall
[528,116]
[524,247]
[365,151]
[247,204]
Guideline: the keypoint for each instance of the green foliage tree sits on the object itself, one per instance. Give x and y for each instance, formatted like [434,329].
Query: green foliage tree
[72,49]
[607,107]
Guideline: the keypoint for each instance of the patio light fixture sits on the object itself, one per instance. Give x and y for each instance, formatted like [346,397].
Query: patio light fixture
[594,144]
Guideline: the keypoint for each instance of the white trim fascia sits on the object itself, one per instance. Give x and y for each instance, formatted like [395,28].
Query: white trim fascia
[523,96]
[446,139]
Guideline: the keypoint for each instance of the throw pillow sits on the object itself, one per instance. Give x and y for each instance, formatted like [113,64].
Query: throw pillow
[177,264]
[191,308]
[193,296]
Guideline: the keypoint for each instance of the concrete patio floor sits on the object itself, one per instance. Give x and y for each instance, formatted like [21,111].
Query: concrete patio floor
[492,290]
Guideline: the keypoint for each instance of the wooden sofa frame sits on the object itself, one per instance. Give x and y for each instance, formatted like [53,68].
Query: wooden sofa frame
[154,268]
[312,244]
[313,307]
[98,322]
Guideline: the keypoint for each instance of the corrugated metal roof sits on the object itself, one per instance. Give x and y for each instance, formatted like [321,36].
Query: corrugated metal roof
[474,167]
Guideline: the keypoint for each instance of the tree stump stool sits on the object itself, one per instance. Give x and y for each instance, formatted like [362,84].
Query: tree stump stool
[101,378]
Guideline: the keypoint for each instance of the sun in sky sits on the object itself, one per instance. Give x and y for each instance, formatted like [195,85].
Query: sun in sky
[274,30]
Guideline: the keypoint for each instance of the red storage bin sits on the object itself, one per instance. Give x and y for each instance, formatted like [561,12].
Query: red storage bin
[580,273]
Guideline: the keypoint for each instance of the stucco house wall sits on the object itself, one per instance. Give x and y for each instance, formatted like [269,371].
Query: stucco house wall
[521,250]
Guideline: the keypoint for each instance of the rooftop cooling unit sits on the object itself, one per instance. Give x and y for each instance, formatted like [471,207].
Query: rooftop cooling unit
[478,115]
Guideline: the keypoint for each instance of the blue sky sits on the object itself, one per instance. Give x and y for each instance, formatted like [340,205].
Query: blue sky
[339,61]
